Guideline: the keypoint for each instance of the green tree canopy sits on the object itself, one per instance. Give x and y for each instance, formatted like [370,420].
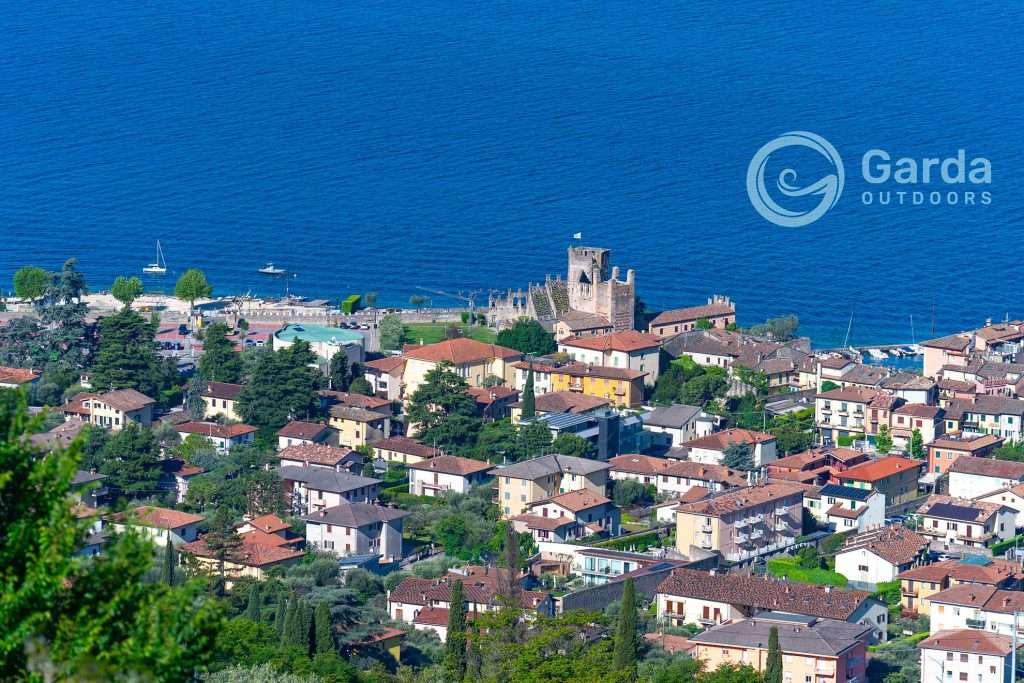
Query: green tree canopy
[192,285]
[626,643]
[443,411]
[529,407]
[219,362]
[455,640]
[773,666]
[570,444]
[883,440]
[126,289]
[738,455]
[283,387]
[30,283]
[338,373]
[528,336]
[391,332]
[126,358]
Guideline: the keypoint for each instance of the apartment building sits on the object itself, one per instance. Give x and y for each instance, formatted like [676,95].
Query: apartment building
[954,349]
[842,412]
[996,415]
[710,450]
[357,529]
[878,556]
[221,398]
[629,349]
[917,585]
[719,312]
[844,508]
[115,409]
[533,480]
[961,521]
[742,524]
[472,360]
[447,473]
[974,477]
[944,450]
[894,477]
[915,417]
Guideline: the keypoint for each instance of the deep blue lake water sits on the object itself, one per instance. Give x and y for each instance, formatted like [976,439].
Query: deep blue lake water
[381,146]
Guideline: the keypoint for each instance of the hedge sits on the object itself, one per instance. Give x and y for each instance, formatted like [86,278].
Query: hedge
[789,568]
[1001,547]
[640,541]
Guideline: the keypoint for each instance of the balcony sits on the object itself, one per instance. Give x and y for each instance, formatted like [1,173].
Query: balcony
[756,519]
[705,543]
[743,521]
[756,534]
[782,528]
[975,623]
[741,538]
[706,528]
[782,509]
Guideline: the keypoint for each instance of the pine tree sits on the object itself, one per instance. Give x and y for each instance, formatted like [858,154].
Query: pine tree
[252,610]
[170,561]
[280,617]
[625,636]
[219,362]
[773,666]
[455,642]
[323,626]
[338,375]
[529,399]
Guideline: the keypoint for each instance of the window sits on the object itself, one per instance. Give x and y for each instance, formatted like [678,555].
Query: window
[963,657]
[862,568]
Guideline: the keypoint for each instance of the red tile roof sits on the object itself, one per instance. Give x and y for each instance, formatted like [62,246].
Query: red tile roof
[485,396]
[452,464]
[971,641]
[386,365]
[995,572]
[881,469]
[248,554]
[626,341]
[405,444]
[742,498]
[307,431]
[720,440]
[126,400]
[460,351]
[161,518]
[215,430]
[268,523]
[17,375]
[575,501]
[223,390]
[897,545]
[706,311]
[315,453]
[544,523]
[634,463]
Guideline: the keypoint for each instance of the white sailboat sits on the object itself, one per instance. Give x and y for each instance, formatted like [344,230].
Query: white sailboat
[160,267]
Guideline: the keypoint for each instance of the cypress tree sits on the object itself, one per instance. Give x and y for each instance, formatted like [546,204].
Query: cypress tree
[252,610]
[625,637]
[305,629]
[455,643]
[170,560]
[322,624]
[291,624]
[280,617]
[773,665]
[529,399]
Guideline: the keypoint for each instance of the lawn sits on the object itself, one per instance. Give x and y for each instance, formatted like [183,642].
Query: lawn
[431,333]
[789,568]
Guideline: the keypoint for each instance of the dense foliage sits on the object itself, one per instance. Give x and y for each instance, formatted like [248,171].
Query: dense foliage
[528,336]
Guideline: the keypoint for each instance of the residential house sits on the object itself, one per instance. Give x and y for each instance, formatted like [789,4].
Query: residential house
[944,450]
[221,398]
[707,348]
[689,596]
[994,415]
[973,477]
[966,655]
[223,436]
[673,477]
[813,649]
[628,349]
[115,409]
[86,488]
[539,478]
[447,473]
[60,436]
[472,360]
[581,324]
[915,417]
[599,566]
[13,378]
[270,524]
[710,449]
[359,426]
[357,529]
[892,476]
[298,432]
[816,466]
[676,424]
[848,373]
[841,412]
[591,513]
[880,555]
[257,553]
[911,387]
[981,607]
[619,386]
[742,524]
[404,450]
[917,585]
[961,521]
[175,476]
[954,349]
[1011,497]
[562,402]
[719,312]
[494,403]
[843,508]
[161,525]
[310,489]
[385,377]
[316,455]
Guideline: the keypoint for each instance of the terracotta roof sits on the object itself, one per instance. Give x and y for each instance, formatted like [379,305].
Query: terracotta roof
[160,518]
[897,545]
[838,510]
[544,523]
[356,414]
[215,429]
[578,321]
[386,365]
[452,464]
[17,375]
[248,554]
[719,441]
[76,405]
[575,501]
[460,351]
[479,584]
[988,598]
[485,396]
[315,453]
[693,494]
[851,394]
[750,591]
[268,523]
[970,641]
[988,467]
[223,390]
[568,402]
[687,314]
[705,472]
[953,342]
[967,444]
[345,398]
[126,400]
[405,444]
[919,410]
[634,463]
[993,572]
[626,341]
[741,499]
[307,431]
[959,509]
[599,371]
[880,469]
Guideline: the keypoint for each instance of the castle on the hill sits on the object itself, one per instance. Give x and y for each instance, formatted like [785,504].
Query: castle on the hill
[591,296]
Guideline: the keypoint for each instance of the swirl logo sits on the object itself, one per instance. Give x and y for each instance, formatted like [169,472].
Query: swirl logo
[828,188]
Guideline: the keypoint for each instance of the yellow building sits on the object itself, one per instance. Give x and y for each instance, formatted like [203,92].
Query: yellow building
[257,553]
[529,481]
[220,398]
[894,477]
[620,386]
[404,450]
[472,360]
[115,409]
[359,426]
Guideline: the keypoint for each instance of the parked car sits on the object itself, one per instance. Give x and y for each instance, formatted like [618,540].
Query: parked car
[183,329]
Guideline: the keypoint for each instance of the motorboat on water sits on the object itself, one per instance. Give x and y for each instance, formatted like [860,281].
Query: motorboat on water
[271,269]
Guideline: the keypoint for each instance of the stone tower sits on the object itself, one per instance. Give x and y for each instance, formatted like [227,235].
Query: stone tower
[593,289]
